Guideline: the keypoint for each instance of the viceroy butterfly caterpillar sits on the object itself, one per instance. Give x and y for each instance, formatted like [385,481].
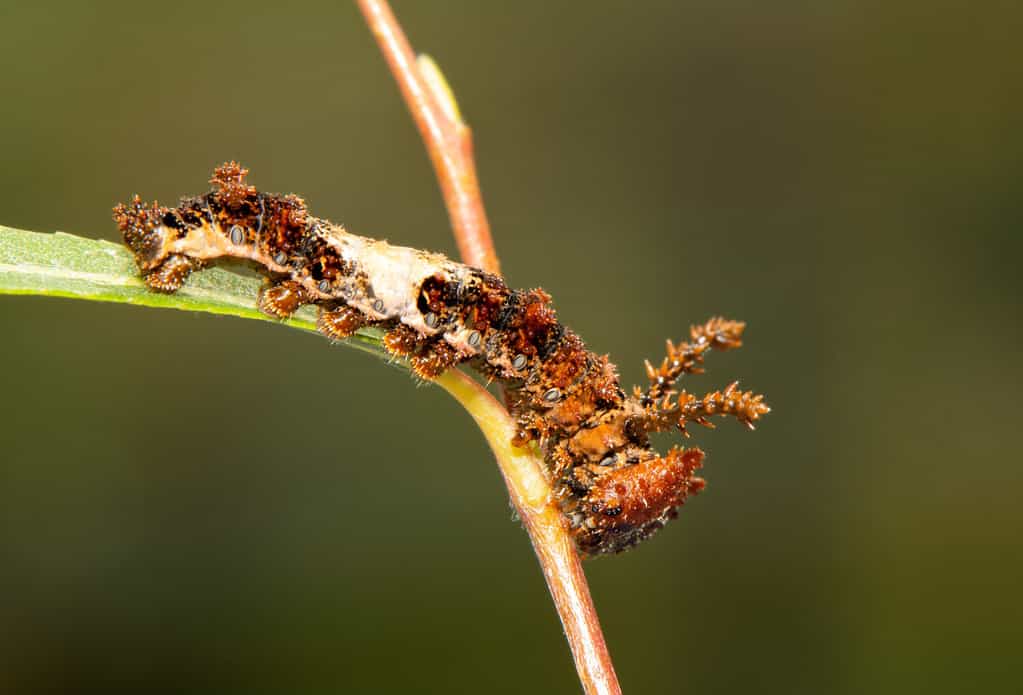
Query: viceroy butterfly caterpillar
[612,486]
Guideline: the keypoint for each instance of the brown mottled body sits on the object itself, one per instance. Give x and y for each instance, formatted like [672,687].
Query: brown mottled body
[613,488]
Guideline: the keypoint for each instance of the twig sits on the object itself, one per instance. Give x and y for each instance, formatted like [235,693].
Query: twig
[448,139]
[530,493]
[449,142]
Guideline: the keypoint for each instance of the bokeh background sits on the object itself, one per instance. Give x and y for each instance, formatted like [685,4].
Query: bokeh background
[220,505]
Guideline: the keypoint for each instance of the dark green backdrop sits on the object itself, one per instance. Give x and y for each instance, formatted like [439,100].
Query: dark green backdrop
[226,506]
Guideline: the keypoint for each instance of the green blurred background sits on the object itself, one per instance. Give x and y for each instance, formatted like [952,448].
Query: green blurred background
[224,506]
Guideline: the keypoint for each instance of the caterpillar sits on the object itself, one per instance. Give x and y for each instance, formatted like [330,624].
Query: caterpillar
[613,488]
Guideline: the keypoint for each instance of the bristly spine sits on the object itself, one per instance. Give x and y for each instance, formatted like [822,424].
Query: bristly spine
[612,486]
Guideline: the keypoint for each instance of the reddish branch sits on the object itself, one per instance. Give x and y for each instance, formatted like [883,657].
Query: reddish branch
[448,139]
[449,142]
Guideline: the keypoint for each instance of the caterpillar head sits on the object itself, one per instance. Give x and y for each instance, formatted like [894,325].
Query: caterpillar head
[145,230]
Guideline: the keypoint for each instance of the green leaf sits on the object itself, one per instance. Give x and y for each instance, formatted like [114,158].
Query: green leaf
[64,265]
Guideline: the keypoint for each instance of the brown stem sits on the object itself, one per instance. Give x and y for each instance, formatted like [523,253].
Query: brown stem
[449,142]
[530,493]
[567,583]
[448,139]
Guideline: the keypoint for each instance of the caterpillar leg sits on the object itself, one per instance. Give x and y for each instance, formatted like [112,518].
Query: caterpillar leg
[433,359]
[340,322]
[401,341]
[429,357]
[170,275]
[282,299]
